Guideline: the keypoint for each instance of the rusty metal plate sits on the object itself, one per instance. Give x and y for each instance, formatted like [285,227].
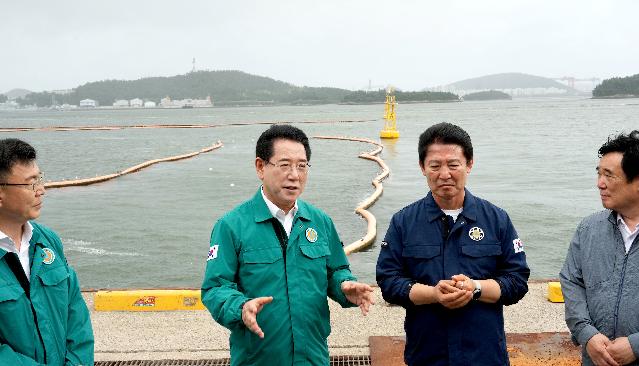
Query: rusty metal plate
[547,349]
[524,349]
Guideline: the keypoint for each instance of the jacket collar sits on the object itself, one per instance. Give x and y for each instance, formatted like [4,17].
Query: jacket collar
[434,212]
[34,233]
[38,243]
[261,212]
[612,217]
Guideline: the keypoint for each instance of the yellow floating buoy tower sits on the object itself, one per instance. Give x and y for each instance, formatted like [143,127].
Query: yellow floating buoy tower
[390,123]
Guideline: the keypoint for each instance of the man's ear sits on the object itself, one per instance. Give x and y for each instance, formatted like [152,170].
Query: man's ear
[422,167]
[259,168]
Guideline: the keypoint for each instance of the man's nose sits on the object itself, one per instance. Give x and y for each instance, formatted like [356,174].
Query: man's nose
[444,173]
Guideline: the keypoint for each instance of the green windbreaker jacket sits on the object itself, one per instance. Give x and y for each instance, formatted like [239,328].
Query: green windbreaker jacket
[60,333]
[247,261]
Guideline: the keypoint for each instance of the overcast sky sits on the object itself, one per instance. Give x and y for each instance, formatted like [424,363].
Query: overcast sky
[410,44]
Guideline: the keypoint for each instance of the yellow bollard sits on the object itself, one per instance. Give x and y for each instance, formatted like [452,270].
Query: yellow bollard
[148,300]
[554,292]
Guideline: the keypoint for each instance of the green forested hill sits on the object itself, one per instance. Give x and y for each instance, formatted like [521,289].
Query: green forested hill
[618,87]
[227,87]
[511,80]
[488,95]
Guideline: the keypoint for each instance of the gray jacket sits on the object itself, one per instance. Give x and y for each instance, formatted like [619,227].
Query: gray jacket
[600,283]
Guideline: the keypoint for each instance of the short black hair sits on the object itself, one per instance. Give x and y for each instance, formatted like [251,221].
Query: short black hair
[628,145]
[13,151]
[264,146]
[445,133]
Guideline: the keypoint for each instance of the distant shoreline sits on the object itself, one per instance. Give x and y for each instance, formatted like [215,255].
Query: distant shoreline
[617,96]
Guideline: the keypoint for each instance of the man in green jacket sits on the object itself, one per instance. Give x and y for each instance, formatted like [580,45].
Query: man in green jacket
[43,318]
[273,261]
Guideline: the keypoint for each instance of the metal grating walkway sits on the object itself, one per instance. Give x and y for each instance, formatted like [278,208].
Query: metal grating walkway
[335,361]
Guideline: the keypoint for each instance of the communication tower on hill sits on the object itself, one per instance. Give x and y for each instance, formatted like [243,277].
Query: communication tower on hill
[390,122]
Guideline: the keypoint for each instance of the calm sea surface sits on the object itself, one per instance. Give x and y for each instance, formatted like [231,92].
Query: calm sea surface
[534,158]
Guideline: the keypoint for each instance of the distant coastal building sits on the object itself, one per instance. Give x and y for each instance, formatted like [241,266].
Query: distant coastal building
[10,104]
[515,92]
[149,104]
[88,103]
[122,103]
[515,84]
[136,103]
[167,102]
[62,91]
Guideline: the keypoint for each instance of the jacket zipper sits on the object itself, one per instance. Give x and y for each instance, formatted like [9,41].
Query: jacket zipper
[619,291]
[616,314]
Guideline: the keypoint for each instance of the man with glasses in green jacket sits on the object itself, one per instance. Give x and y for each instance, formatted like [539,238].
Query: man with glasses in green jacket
[274,260]
[43,317]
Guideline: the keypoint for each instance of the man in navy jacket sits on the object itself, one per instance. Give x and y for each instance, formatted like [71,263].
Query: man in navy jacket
[452,260]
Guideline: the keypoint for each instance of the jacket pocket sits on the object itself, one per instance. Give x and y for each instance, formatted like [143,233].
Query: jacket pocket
[262,255]
[421,251]
[312,266]
[424,263]
[479,261]
[481,250]
[261,270]
[316,250]
[16,320]
[10,293]
[54,276]
[55,287]
[9,304]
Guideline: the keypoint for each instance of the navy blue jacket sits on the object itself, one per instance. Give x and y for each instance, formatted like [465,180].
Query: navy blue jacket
[414,250]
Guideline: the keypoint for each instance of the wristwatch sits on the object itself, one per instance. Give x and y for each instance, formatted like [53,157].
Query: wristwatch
[477,290]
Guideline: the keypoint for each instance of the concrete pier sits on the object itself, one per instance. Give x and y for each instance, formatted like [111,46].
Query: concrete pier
[194,335]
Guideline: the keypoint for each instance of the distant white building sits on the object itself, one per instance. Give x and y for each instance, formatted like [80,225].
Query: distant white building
[10,104]
[515,92]
[186,103]
[149,104]
[136,103]
[62,91]
[122,103]
[88,103]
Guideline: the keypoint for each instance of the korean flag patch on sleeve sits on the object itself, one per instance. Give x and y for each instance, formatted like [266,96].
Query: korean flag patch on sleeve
[518,245]
[212,252]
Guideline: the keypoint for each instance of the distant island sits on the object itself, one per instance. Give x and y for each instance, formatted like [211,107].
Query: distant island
[219,88]
[227,87]
[626,87]
[488,95]
[379,96]
[515,84]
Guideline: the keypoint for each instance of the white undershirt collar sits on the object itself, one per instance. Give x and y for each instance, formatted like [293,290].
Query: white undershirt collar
[627,234]
[285,219]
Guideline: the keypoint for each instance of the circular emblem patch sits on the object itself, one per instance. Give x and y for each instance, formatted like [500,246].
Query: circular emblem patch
[49,256]
[311,235]
[476,233]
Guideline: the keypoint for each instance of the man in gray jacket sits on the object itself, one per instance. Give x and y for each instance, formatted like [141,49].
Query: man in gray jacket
[600,278]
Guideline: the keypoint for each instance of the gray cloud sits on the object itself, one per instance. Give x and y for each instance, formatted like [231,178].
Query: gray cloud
[410,44]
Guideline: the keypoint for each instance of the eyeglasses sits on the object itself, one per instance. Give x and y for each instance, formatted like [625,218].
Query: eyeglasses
[32,186]
[608,176]
[286,167]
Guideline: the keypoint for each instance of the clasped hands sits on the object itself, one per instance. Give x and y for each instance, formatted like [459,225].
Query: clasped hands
[605,352]
[454,293]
